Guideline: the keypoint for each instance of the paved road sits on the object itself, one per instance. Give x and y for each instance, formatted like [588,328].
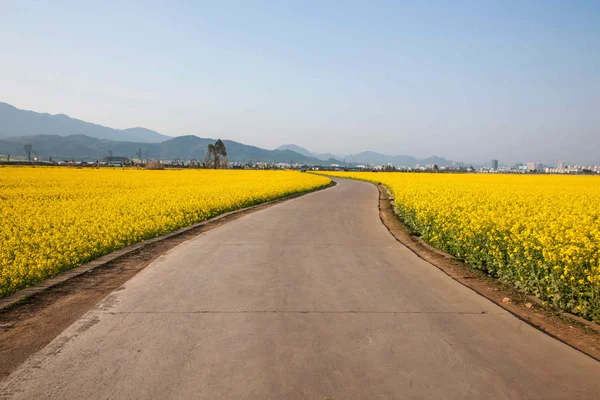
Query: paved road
[309,299]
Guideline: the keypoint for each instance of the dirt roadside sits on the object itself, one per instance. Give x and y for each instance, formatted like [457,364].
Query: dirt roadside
[574,331]
[29,325]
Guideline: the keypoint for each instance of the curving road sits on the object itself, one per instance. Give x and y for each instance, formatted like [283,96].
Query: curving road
[308,299]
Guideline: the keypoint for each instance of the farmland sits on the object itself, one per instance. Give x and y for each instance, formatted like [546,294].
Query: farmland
[540,233]
[54,219]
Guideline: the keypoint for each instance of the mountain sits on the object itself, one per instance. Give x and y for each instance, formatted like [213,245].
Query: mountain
[141,135]
[307,153]
[297,149]
[439,161]
[81,147]
[15,122]
[370,157]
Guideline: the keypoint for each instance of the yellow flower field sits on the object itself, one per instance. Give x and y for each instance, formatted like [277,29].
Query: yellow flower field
[53,219]
[541,233]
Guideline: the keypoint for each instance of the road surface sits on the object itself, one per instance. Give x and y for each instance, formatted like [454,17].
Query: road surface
[308,299]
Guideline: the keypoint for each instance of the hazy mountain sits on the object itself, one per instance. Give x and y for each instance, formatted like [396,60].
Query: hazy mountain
[439,161]
[81,147]
[369,157]
[303,151]
[297,149]
[141,135]
[15,122]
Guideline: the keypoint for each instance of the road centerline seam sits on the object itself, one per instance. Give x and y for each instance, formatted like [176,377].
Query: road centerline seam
[307,312]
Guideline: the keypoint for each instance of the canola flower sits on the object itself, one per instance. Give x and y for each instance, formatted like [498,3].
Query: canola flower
[54,219]
[538,232]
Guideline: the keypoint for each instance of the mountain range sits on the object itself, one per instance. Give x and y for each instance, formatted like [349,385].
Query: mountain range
[81,147]
[15,122]
[63,137]
[369,157]
[307,153]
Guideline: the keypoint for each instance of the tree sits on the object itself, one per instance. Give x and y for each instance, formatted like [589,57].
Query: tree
[28,150]
[207,161]
[215,151]
[139,155]
[110,156]
[8,157]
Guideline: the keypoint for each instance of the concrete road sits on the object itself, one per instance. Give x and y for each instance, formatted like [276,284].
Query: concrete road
[309,299]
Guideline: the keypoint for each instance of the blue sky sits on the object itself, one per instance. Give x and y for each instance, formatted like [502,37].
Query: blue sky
[467,80]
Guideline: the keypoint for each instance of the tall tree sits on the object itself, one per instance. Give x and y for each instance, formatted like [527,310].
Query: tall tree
[216,151]
[28,150]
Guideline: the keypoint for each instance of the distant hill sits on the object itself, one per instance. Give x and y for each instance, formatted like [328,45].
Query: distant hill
[296,149]
[82,147]
[15,122]
[439,161]
[303,151]
[369,157]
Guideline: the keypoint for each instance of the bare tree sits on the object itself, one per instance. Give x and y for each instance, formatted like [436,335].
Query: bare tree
[139,155]
[28,149]
[147,153]
[110,156]
[8,157]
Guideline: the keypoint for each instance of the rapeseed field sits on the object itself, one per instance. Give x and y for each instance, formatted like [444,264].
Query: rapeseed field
[54,219]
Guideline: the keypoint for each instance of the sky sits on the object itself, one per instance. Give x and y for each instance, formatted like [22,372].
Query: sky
[465,80]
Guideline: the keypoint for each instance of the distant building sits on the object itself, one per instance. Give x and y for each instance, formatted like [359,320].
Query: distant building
[495,165]
[531,166]
[539,167]
[562,165]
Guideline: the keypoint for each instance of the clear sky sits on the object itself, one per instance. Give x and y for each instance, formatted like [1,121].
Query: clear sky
[466,80]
